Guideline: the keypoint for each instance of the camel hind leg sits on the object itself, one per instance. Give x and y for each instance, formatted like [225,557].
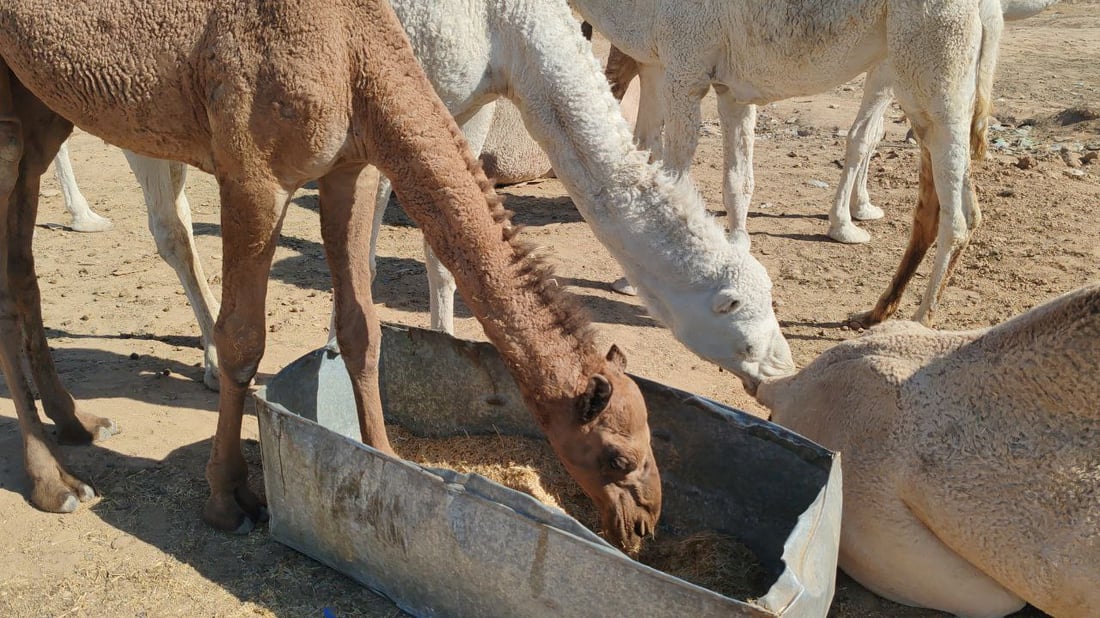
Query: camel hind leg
[925,225]
[84,218]
[891,552]
[27,133]
[942,90]
[162,183]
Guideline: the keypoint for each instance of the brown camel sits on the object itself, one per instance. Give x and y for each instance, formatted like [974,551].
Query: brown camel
[267,96]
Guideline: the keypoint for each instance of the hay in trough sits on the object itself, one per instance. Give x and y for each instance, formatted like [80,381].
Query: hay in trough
[709,559]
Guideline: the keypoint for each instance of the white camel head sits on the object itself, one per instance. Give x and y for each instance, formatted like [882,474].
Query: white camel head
[726,317]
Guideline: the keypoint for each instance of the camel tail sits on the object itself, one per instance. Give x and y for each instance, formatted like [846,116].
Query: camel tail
[992,25]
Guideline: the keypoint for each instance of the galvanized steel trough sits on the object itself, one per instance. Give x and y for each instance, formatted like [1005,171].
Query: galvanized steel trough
[440,543]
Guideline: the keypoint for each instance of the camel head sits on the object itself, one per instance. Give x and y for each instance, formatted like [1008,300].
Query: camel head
[602,437]
[728,319]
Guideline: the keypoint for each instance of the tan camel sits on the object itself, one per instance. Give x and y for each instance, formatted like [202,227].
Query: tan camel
[253,94]
[971,459]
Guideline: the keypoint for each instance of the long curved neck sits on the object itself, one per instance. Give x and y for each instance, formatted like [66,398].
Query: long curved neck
[537,329]
[634,209]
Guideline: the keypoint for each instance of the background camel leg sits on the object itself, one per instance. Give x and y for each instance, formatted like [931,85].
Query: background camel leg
[738,129]
[162,183]
[852,200]
[950,168]
[345,219]
[252,214]
[25,140]
[647,130]
[925,224]
[84,219]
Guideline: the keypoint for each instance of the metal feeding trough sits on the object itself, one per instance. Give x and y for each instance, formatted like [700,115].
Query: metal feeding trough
[441,543]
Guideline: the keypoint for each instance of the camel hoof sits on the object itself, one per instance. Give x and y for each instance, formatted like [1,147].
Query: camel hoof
[88,428]
[69,504]
[92,223]
[849,234]
[622,286]
[740,239]
[235,512]
[63,494]
[867,211]
[211,379]
[861,321]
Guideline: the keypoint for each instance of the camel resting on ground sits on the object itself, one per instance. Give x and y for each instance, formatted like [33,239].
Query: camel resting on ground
[971,459]
[249,93]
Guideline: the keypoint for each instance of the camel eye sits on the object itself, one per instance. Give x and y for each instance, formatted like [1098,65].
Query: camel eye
[620,463]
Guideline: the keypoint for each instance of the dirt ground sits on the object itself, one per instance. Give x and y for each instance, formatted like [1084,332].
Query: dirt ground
[126,342]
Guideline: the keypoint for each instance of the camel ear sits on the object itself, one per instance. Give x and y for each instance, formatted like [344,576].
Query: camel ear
[615,355]
[594,399]
[725,301]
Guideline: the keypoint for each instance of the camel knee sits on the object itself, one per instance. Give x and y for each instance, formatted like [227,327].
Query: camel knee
[240,346]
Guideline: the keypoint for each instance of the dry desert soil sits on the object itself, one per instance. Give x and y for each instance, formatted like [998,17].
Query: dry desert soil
[126,342]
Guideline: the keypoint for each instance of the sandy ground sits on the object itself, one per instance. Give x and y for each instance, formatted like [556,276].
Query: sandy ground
[126,343]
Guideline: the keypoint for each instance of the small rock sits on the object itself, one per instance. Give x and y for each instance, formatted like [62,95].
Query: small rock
[804,131]
[49,193]
[134,356]
[767,205]
[166,372]
[1089,157]
[834,106]
[1025,162]
[1069,158]
[817,183]
[1074,173]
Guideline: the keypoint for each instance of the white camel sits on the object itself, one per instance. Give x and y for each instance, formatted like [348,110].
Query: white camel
[867,130]
[942,56]
[971,459]
[714,296]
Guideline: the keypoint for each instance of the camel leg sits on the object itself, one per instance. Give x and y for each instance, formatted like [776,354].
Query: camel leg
[652,116]
[27,142]
[892,553]
[738,129]
[867,129]
[619,71]
[252,214]
[925,225]
[345,202]
[162,183]
[441,284]
[950,150]
[84,219]
[648,127]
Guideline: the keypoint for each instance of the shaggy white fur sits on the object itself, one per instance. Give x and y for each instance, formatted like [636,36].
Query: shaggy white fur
[714,296]
[941,54]
[867,130]
[971,459]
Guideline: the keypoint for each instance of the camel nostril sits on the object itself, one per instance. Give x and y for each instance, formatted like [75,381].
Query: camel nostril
[641,528]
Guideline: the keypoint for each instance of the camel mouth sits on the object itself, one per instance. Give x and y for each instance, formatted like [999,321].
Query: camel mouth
[628,533]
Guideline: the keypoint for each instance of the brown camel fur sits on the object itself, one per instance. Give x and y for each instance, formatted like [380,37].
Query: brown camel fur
[267,96]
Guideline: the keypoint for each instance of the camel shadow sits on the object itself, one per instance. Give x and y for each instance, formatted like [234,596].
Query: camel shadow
[159,502]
